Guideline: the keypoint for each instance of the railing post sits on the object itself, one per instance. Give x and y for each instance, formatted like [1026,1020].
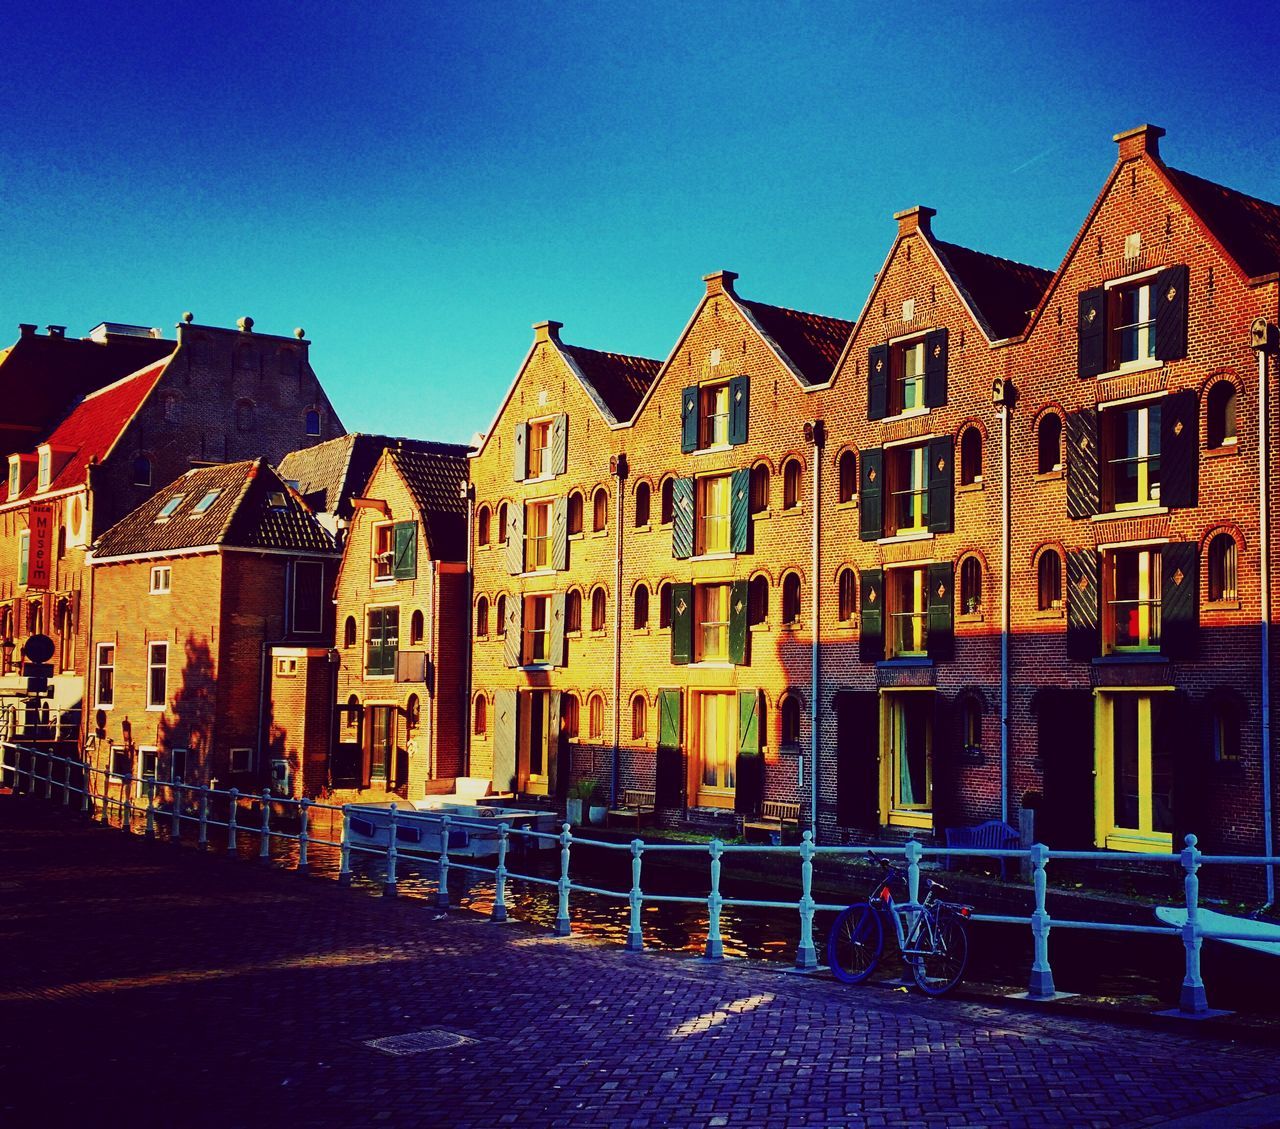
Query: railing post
[126,824]
[234,796]
[48,774]
[344,849]
[563,927]
[304,835]
[715,943]
[442,890]
[1192,999]
[203,840]
[806,954]
[500,877]
[913,852]
[175,814]
[264,833]
[66,781]
[106,797]
[151,808]
[635,937]
[389,886]
[1041,986]
[86,775]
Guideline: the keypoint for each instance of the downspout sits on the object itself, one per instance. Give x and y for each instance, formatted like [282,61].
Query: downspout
[816,433]
[618,467]
[1263,336]
[468,492]
[430,689]
[1006,534]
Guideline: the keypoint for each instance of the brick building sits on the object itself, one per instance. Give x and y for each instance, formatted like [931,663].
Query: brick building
[209,634]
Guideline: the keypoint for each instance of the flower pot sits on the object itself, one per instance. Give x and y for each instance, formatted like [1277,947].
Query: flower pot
[596,813]
[573,812]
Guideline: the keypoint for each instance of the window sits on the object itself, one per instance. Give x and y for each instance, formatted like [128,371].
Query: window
[847,476]
[286,667]
[416,624]
[597,610]
[639,717]
[241,761]
[846,595]
[711,606]
[908,612]
[349,632]
[664,606]
[1222,567]
[667,501]
[161,576]
[600,510]
[481,724]
[311,422]
[537,630]
[1222,415]
[574,517]
[792,482]
[569,710]
[500,615]
[908,490]
[244,415]
[157,675]
[791,598]
[906,384]
[970,457]
[382,641]
[65,621]
[1132,584]
[203,505]
[1132,438]
[539,449]
[35,617]
[595,716]
[1049,443]
[15,476]
[44,468]
[758,600]
[106,680]
[971,725]
[383,543]
[642,505]
[714,495]
[482,526]
[412,712]
[716,741]
[1049,581]
[1135,778]
[24,555]
[482,616]
[353,712]
[640,619]
[503,523]
[142,471]
[308,597]
[537,536]
[909,763]
[1132,323]
[713,416]
[573,610]
[170,508]
[1224,729]
[759,492]
[971,586]
[790,716]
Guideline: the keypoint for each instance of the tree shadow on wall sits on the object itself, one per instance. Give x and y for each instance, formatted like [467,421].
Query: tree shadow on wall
[189,722]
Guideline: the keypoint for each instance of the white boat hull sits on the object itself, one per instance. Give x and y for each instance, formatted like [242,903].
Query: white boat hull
[473,828]
[1261,936]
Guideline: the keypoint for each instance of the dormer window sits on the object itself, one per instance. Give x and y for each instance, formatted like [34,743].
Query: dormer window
[170,507]
[44,473]
[15,475]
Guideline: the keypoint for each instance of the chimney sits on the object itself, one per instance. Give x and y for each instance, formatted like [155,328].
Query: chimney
[25,329]
[1141,139]
[57,330]
[720,283]
[547,331]
[915,219]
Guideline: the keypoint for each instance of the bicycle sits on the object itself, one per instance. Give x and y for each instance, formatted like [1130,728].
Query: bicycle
[931,935]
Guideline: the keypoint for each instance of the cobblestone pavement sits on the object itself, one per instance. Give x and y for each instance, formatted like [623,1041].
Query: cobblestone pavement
[142,984]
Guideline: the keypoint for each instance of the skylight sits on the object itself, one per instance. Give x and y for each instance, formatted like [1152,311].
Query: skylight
[205,502]
[168,509]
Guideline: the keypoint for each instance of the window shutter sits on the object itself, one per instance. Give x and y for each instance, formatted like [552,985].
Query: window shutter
[1084,496]
[505,704]
[513,630]
[689,419]
[941,640]
[515,539]
[935,368]
[858,758]
[749,778]
[738,622]
[557,752]
[1174,717]
[560,534]
[669,778]
[1083,634]
[406,550]
[1180,449]
[878,382]
[682,624]
[1170,296]
[739,408]
[682,493]
[1179,599]
[520,453]
[1064,728]
[373,642]
[871,635]
[1091,331]
[740,510]
[941,483]
[555,635]
[559,443]
[870,496]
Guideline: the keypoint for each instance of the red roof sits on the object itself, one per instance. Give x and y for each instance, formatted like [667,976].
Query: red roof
[812,342]
[618,379]
[1247,228]
[91,429]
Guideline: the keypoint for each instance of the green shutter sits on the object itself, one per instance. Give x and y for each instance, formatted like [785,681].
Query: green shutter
[935,368]
[668,719]
[1169,297]
[689,419]
[878,382]
[406,550]
[682,494]
[520,453]
[941,638]
[941,483]
[1179,599]
[1091,330]
[740,510]
[749,741]
[682,624]
[871,496]
[1084,493]
[871,635]
[669,774]
[748,793]
[738,622]
[739,408]
[24,562]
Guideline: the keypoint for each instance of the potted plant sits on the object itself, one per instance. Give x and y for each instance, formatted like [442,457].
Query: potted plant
[598,807]
[580,791]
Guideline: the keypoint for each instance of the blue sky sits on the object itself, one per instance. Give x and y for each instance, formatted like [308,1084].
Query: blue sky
[415,184]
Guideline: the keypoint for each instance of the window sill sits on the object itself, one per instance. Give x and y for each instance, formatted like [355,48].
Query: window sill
[642,528]
[712,664]
[484,547]
[793,625]
[762,515]
[791,511]
[1222,605]
[536,666]
[378,677]
[1136,511]
[970,617]
[1050,613]
[1226,451]
[155,709]
[712,557]
[573,634]
[901,538]
[1055,475]
[851,504]
[599,632]
[718,449]
[910,413]
[640,631]
[599,533]
[575,536]
[1131,367]
[382,581]
[969,487]
[1139,844]
[1115,658]
[846,625]
[899,661]
[536,572]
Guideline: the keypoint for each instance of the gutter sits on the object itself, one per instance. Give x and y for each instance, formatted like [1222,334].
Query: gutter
[816,433]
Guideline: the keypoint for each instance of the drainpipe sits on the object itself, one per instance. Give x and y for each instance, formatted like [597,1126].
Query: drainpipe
[815,433]
[469,494]
[618,468]
[1003,406]
[1262,339]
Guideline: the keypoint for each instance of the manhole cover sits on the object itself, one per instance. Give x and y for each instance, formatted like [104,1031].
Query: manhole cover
[416,1042]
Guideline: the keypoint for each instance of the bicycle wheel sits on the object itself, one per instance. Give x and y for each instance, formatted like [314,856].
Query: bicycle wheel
[855,943]
[939,965]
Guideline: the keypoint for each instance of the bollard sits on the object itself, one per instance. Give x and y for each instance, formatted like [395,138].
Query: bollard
[1192,999]
[1041,986]
[304,835]
[203,840]
[126,822]
[231,821]
[806,954]
[150,831]
[442,890]
[635,936]
[563,928]
[389,886]
[344,850]
[264,834]
[500,878]
[175,814]
[715,943]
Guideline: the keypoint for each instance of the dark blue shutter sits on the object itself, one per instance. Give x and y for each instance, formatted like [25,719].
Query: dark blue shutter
[1084,494]
[749,778]
[1180,449]
[1091,332]
[1180,599]
[858,759]
[871,496]
[559,443]
[871,633]
[689,419]
[941,483]
[682,495]
[681,624]
[405,560]
[1169,297]
[878,382]
[941,638]
[1083,606]
[739,408]
[738,622]
[935,368]
[740,510]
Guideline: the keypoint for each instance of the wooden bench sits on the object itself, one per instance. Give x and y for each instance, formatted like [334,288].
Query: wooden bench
[993,834]
[637,805]
[776,817]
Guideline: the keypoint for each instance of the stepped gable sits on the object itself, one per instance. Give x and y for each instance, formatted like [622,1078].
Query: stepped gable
[619,381]
[1247,228]
[1003,294]
[436,475]
[812,342]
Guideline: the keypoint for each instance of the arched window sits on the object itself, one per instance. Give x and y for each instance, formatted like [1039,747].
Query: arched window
[642,505]
[664,605]
[847,594]
[668,501]
[1222,567]
[970,456]
[142,471]
[500,615]
[244,415]
[349,632]
[639,717]
[1049,581]
[791,598]
[573,519]
[573,610]
[353,712]
[641,617]
[790,720]
[600,510]
[759,488]
[1222,414]
[792,482]
[482,526]
[595,716]
[971,725]
[482,616]
[503,520]
[597,610]
[1224,727]
[417,627]
[758,600]
[569,714]
[847,476]
[481,726]
[970,585]
[62,541]
[35,618]
[311,422]
[1049,443]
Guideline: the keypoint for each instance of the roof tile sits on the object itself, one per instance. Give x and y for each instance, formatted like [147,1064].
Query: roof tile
[619,380]
[813,342]
[1004,294]
[1247,228]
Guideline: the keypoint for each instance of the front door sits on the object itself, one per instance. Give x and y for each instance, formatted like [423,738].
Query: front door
[1135,773]
[717,748]
[536,747]
[908,765]
[381,734]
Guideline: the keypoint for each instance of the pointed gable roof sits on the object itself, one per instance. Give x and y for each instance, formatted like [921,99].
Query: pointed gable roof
[811,343]
[435,475]
[619,381]
[1247,228]
[1003,294]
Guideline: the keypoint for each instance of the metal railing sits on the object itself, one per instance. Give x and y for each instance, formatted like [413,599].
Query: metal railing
[43,773]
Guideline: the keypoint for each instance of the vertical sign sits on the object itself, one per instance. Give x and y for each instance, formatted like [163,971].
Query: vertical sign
[41,548]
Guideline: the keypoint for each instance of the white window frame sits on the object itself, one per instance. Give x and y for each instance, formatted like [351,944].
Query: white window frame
[543,450]
[388,555]
[530,633]
[286,666]
[714,410]
[45,473]
[248,759]
[161,580]
[24,557]
[170,507]
[152,666]
[98,667]
[899,352]
[719,521]
[15,476]
[205,503]
[546,508]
